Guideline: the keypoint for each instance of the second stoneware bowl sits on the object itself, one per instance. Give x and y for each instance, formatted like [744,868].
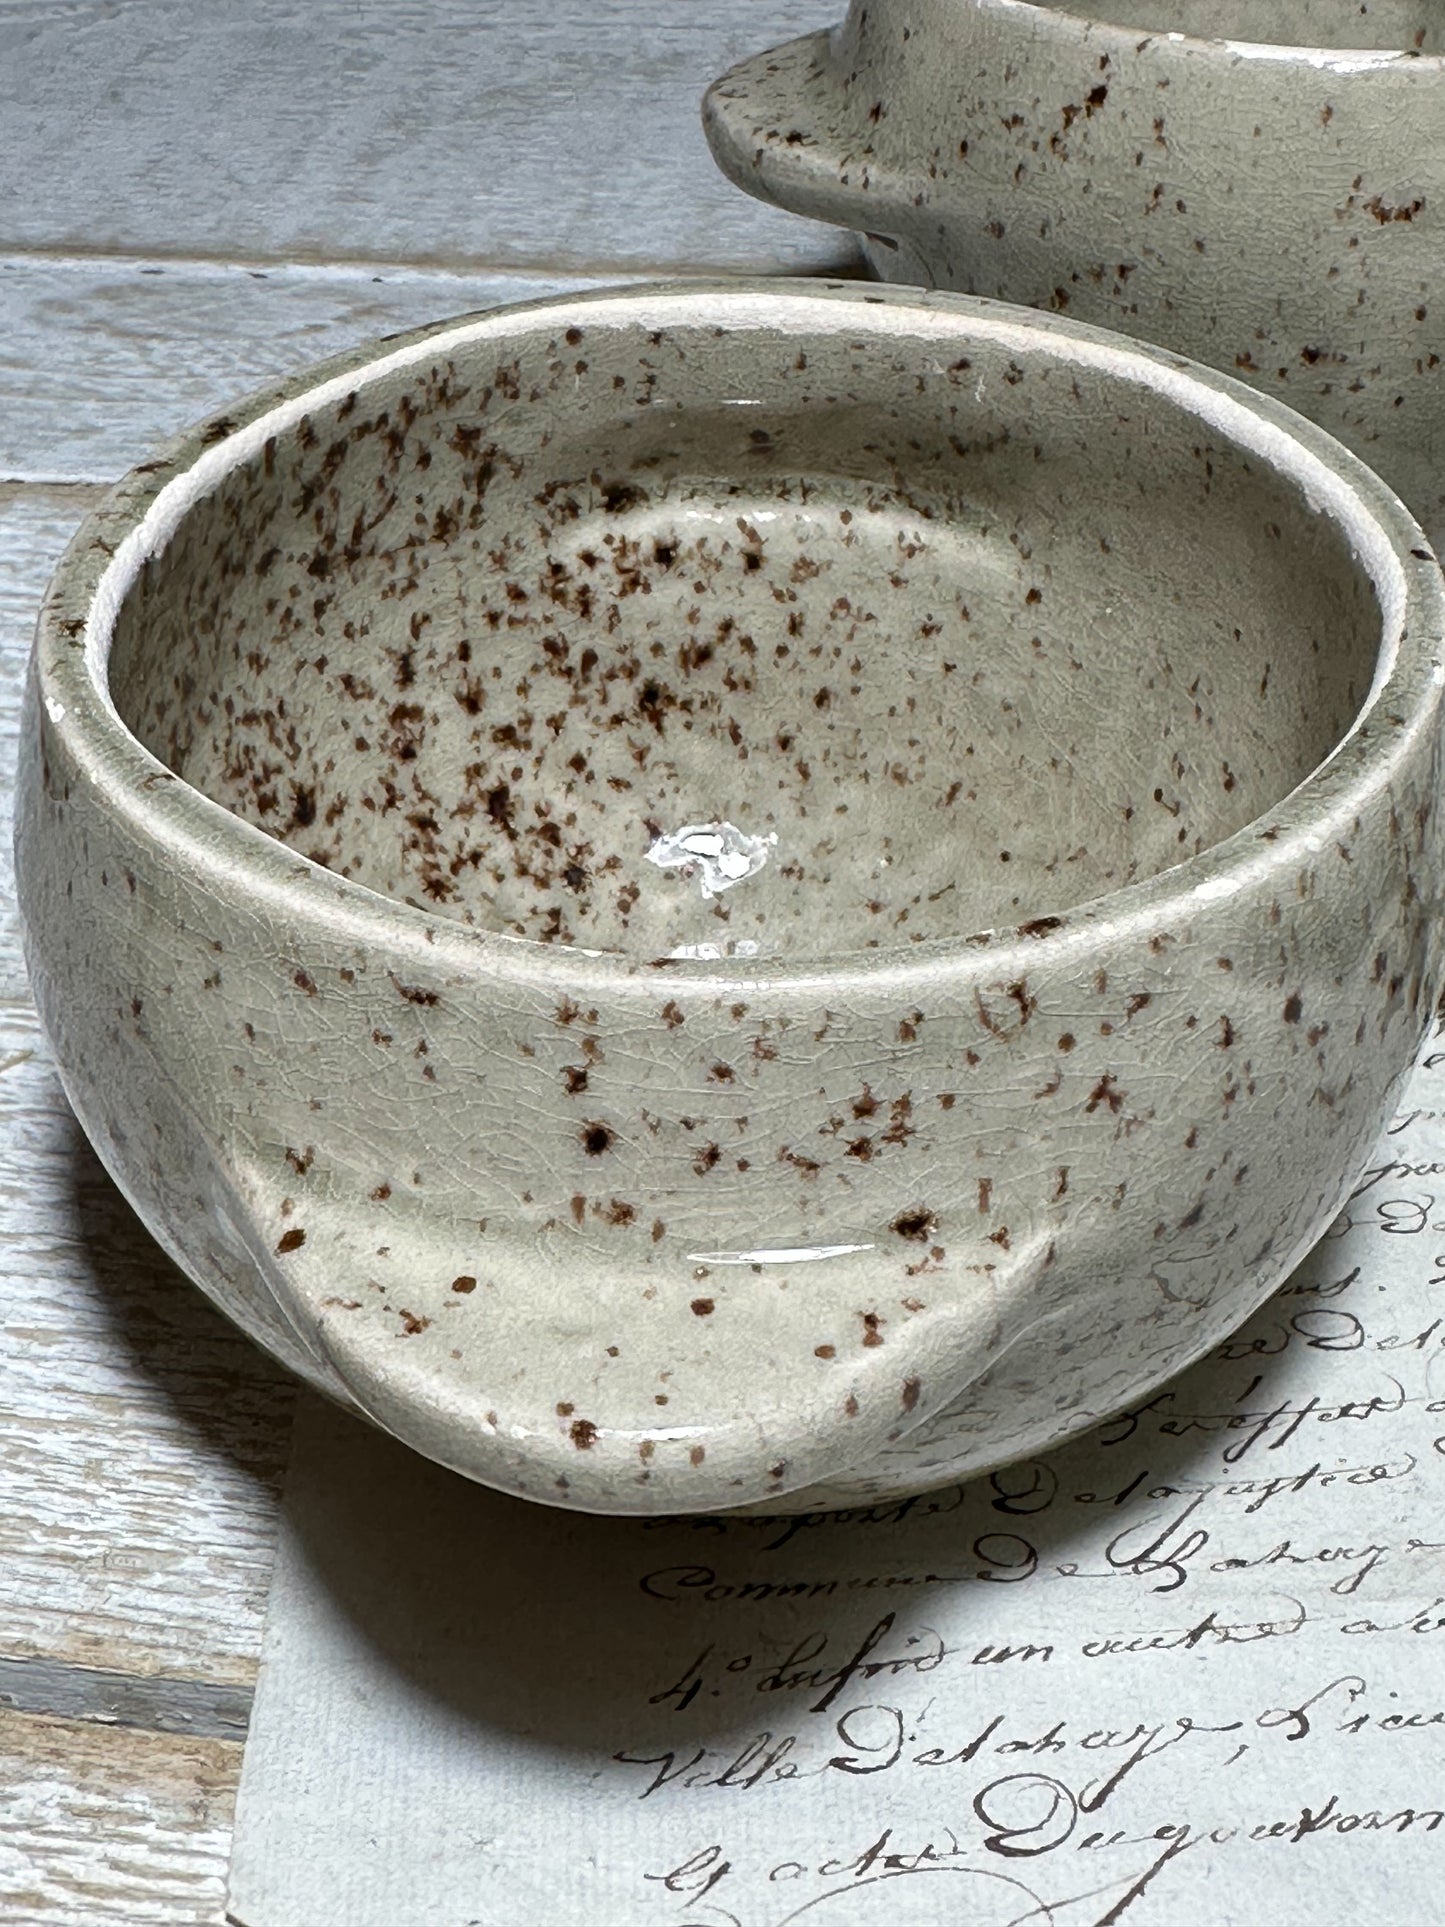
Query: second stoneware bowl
[1256,183]
[732,895]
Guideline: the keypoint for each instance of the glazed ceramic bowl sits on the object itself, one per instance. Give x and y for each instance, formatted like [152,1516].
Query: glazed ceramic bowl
[1166,167]
[734,895]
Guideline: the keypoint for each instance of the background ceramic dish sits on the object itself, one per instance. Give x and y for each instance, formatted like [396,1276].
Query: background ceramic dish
[1093,704]
[1275,210]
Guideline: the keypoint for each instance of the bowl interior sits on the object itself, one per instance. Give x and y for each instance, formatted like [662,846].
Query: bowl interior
[1406,26]
[672,638]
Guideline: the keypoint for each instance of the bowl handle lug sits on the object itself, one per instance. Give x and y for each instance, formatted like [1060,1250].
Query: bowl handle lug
[780,126]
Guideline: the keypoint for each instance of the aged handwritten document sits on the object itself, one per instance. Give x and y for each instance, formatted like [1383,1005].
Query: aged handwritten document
[1187,1672]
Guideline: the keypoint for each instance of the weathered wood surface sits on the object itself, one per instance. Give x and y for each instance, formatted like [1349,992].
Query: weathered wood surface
[443,131]
[105,1826]
[196,200]
[148,346]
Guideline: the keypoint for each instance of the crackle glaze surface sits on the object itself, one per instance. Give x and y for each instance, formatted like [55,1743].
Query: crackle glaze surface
[738,895]
[1259,184]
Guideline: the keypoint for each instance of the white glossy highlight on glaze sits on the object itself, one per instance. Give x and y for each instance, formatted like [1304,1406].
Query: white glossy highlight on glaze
[778,1255]
[718,855]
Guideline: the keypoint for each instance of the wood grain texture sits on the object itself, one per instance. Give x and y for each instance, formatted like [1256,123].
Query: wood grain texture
[108,1827]
[564,133]
[157,1702]
[147,347]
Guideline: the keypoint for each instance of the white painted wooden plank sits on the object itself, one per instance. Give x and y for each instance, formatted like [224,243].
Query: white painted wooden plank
[563,132]
[110,1827]
[101,358]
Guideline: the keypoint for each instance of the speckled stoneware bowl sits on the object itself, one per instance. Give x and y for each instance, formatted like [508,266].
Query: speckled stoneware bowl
[738,895]
[1275,209]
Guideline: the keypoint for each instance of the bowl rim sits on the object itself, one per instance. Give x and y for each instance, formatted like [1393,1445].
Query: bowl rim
[1332,59]
[204,838]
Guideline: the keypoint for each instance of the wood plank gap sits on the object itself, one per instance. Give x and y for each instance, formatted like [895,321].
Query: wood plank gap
[201,1708]
[838,259]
